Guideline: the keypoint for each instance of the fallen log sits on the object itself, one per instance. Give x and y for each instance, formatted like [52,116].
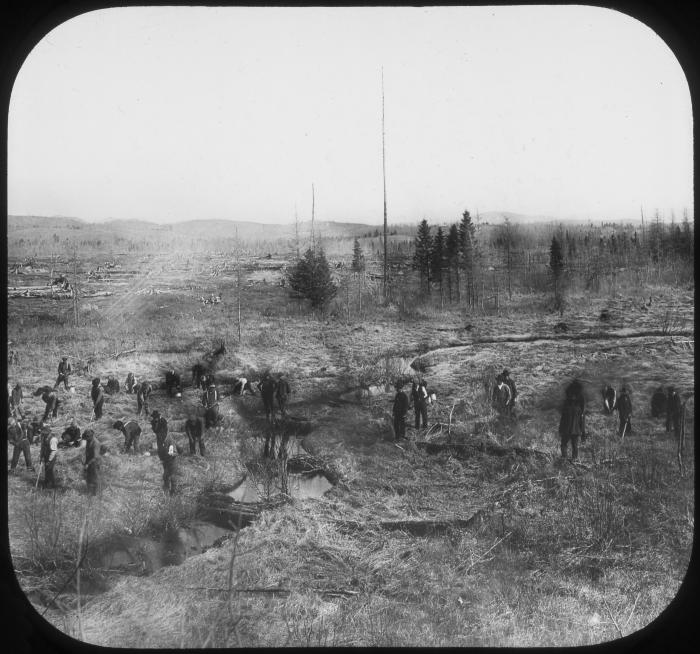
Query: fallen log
[469,449]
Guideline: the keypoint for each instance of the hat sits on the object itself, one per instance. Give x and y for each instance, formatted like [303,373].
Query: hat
[505,372]
[88,433]
[64,358]
[212,385]
[155,414]
[45,429]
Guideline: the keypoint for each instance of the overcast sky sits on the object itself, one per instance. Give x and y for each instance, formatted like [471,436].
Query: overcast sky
[175,113]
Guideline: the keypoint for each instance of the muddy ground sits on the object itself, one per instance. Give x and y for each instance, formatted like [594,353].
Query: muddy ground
[490,539]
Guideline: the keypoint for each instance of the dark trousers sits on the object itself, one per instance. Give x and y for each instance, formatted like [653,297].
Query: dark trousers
[194,439]
[169,474]
[565,440]
[92,477]
[49,474]
[421,410]
[62,378]
[51,408]
[268,405]
[399,427]
[131,439]
[282,402]
[98,409]
[625,425]
[22,446]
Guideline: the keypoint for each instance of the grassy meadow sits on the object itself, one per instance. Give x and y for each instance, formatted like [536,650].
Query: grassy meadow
[525,549]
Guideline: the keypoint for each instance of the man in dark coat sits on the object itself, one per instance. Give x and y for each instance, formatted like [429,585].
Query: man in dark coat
[112,385]
[98,398]
[570,426]
[167,451]
[50,398]
[64,372]
[282,392]
[17,437]
[48,456]
[131,431]
[575,391]
[419,399]
[130,382]
[143,391]
[92,462]
[194,428]
[673,411]
[399,411]
[199,374]
[267,387]
[609,398]
[210,400]
[659,403]
[16,400]
[71,435]
[172,382]
[502,399]
[624,409]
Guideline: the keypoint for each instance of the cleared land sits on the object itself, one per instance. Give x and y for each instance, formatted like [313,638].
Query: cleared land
[489,540]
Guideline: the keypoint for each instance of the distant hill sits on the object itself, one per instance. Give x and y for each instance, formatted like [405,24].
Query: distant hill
[495,217]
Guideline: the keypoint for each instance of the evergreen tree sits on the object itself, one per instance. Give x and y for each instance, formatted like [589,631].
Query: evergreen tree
[452,250]
[358,258]
[467,241]
[311,278]
[438,258]
[422,254]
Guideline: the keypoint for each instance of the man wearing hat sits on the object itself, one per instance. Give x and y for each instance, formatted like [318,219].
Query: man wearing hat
[19,439]
[97,397]
[143,391]
[64,372]
[92,461]
[49,454]
[624,410]
[71,435]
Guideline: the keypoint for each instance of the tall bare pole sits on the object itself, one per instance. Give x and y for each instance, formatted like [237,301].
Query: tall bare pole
[386,265]
[313,203]
[296,229]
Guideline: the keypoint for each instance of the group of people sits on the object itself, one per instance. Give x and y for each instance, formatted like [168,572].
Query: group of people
[419,401]
[22,432]
[572,426]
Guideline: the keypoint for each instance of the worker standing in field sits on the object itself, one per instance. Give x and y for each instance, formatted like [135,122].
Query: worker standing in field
[570,425]
[501,395]
[130,382]
[624,409]
[659,403]
[399,411]
[18,438]
[419,397]
[283,390]
[97,397]
[267,387]
[92,462]
[49,456]
[167,452]
[210,400]
[143,391]
[64,372]
[16,401]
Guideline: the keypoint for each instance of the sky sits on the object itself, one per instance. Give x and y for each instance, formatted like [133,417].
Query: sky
[177,113]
